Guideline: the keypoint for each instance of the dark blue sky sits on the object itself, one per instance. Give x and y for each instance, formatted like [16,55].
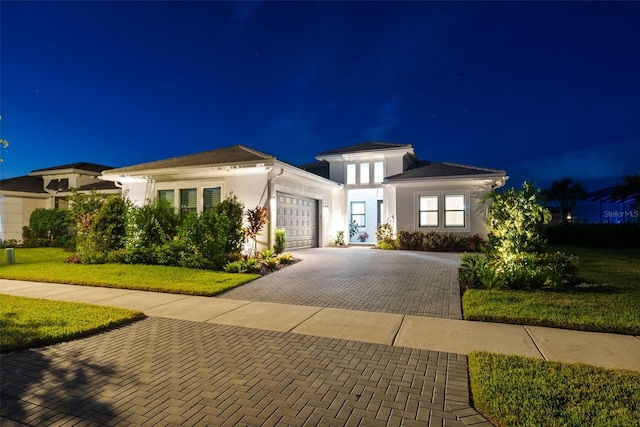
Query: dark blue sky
[541,89]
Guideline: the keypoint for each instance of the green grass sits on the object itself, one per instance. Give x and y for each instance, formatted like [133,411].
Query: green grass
[31,322]
[518,391]
[608,300]
[47,265]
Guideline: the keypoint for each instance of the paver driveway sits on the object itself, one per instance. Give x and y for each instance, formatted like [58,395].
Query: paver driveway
[168,372]
[361,278]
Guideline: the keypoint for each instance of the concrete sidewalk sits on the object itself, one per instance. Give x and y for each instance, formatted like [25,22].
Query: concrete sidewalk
[398,330]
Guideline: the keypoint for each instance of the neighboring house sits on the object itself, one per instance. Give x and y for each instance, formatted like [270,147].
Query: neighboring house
[46,188]
[366,184]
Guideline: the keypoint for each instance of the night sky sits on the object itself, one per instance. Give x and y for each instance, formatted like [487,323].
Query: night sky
[541,89]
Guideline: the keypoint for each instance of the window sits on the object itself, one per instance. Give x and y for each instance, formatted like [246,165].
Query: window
[364,173]
[454,210]
[428,211]
[210,198]
[167,196]
[378,172]
[351,173]
[358,213]
[188,200]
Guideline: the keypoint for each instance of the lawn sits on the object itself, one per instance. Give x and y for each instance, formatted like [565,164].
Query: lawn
[519,391]
[31,322]
[47,265]
[608,300]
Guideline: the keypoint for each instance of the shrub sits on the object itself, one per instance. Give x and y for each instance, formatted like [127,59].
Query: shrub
[381,244]
[233,267]
[266,253]
[49,223]
[470,269]
[9,243]
[205,235]
[233,209]
[257,218]
[285,258]
[252,265]
[340,238]
[384,232]
[281,239]
[515,222]
[151,225]
[437,242]
[271,263]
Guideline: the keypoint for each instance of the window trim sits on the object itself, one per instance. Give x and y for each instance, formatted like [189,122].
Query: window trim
[363,215]
[436,210]
[185,209]
[463,210]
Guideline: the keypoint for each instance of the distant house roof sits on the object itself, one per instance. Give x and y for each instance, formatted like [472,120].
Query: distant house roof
[25,184]
[221,156]
[427,169]
[365,146]
[98,186]
[320,168]
[89,167]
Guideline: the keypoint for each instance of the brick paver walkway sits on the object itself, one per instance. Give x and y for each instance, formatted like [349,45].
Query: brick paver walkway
[403,282]
[161,372]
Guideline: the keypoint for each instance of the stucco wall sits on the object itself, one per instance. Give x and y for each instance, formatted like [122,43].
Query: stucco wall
[15,212]
[407,205]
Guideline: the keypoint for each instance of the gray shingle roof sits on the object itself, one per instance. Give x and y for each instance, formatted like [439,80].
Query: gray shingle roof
[85,166]
[365,146]
[320,168]
[26,184]
[221,156]
[427,169]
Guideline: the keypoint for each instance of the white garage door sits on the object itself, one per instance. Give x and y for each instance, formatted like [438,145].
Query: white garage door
[299,216]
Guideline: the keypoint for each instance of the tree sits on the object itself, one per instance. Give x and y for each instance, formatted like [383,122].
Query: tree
[567,193]
[256,218]
[49,223]
[515,223]
[628,189]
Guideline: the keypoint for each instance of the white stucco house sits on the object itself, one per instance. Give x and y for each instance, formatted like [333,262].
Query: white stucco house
[366,184]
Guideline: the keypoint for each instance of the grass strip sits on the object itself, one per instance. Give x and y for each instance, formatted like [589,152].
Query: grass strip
[519,391]
[608,300]
[47,265]
[32,322]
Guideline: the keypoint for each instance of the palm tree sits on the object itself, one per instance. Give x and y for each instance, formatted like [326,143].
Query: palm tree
[567,193]
[628,189]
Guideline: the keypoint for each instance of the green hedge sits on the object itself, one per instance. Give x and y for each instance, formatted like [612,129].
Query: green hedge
[600,235]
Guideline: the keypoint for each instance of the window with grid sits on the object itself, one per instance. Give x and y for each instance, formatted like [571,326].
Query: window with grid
[210,198]
[428,211]
[358,213]
[188,200]
[454,210]
[167,196]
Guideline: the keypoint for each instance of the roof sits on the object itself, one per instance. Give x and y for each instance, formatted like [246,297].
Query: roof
[320,168]
[227,155]
[85,166]
[99,185]
[365,146]
[26,184]
[427,169]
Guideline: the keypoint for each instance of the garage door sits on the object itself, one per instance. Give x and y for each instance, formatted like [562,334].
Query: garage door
[299,216]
